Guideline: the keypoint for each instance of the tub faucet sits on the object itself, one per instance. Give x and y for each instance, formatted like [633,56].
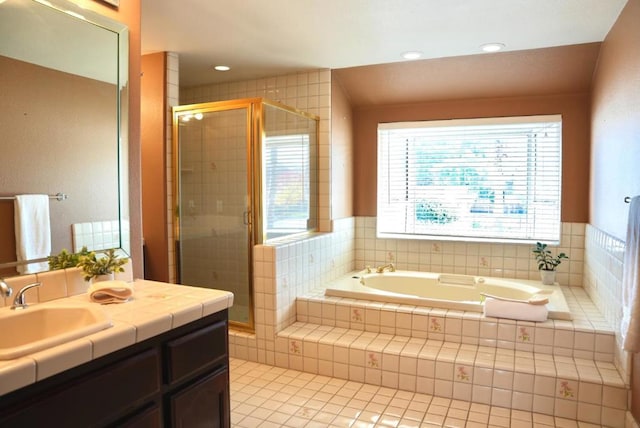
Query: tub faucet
[5,290]
[390,267]
[19,302]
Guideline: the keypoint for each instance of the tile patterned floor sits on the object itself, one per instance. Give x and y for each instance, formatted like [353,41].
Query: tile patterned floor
[265,396]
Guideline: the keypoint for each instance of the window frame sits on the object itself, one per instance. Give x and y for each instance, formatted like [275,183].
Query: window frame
[534,163]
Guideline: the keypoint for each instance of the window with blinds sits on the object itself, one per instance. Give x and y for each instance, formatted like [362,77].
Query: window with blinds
[287,184]
[496,179]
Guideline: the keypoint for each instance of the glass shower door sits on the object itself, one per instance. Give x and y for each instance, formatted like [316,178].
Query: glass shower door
[214,205]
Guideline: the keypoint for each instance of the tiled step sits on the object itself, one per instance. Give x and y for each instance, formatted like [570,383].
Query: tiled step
[586,337]
[564,386]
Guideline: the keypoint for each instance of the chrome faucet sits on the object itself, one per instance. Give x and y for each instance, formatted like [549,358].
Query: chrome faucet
[20,302]
[5,290]
[390,267]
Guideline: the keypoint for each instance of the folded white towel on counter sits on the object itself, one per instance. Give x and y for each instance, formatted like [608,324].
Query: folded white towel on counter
[110,292]
[514,310]
[33,231]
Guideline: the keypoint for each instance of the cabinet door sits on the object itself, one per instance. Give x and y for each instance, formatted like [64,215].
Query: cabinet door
[205,404]
[149,418]
[92,399]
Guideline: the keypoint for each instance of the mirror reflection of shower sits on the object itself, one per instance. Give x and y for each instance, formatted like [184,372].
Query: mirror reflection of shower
[246,173]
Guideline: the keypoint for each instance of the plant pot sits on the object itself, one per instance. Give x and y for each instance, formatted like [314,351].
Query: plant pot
[100,278]
[548,277]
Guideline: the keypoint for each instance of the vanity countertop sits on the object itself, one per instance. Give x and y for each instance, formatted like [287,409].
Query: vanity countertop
[156,307]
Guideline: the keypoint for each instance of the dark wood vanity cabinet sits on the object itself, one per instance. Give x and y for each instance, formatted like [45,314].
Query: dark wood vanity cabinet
[177,379]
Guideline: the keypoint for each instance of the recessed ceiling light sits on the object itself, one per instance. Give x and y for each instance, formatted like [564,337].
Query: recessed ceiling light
[492,47]
[412,55]
[222,68]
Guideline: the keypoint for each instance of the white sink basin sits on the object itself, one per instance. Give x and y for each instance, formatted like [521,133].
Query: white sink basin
[42,326]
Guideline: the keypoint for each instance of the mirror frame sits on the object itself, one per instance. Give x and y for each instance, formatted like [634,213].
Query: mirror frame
[122,100]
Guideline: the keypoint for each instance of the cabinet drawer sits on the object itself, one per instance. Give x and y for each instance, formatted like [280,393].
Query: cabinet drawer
[191,352]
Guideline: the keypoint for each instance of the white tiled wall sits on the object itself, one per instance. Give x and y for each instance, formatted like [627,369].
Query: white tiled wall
[97,235]
[468,258]
[604,257]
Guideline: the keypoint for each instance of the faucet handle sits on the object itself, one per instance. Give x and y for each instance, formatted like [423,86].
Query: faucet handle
[5,290]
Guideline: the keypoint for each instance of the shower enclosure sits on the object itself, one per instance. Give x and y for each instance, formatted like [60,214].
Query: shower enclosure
[245,173]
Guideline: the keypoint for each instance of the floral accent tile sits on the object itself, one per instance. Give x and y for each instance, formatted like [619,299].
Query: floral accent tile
[356,315]
[306,412]
[462,373]
[372,360]
[565,390]
[391,257]
[435,324]
[294,347]
[524,335]
[484,262]
[435,248]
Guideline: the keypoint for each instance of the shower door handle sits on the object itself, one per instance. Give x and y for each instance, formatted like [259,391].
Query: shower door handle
[246,218]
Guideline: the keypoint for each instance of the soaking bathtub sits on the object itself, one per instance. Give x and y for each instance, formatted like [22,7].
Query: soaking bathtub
[447,291]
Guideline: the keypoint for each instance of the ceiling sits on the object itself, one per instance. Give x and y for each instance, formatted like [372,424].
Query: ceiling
[259,38]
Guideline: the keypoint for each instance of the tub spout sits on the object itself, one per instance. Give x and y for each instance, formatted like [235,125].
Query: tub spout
[390,267]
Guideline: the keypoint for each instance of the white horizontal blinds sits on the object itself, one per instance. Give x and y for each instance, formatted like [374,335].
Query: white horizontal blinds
[485,179]
[286,166]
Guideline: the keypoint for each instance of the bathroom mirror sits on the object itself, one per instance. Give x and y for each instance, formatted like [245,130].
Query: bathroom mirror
[63,121]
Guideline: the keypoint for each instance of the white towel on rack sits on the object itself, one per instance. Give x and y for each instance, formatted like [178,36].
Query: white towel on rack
[33,231]
[630,325]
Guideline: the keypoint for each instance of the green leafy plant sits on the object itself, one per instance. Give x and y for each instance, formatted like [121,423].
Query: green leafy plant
[544,258]
[64,259]
[108,262]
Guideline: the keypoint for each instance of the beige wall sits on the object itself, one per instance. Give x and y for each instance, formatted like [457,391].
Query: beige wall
[129,14]
[341,152]
[615,141]
[615,160]
[575,132]
[154,180]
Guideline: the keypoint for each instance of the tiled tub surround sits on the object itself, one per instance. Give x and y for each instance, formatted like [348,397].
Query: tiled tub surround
[288,269]
[560,368]
[468,258]
[155,308]
[297,268]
